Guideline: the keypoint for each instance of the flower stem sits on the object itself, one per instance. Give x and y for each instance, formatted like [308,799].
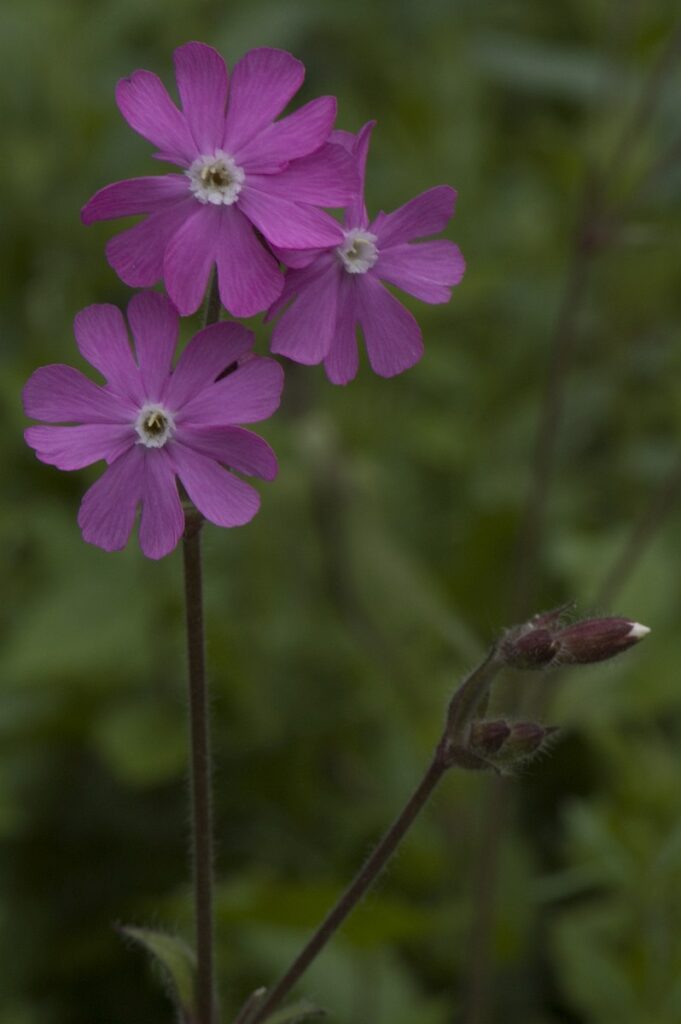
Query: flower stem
[199,734]
[356,890]
[200,771]
[462,708]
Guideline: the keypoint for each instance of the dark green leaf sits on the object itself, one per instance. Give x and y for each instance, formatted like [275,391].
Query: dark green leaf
[177,962]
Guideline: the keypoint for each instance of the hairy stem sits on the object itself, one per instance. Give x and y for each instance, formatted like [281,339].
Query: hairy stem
[200,771]
[462,708]
[362,881]
[199,735]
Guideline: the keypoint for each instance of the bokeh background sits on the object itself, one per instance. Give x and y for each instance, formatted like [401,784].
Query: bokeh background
[385,556]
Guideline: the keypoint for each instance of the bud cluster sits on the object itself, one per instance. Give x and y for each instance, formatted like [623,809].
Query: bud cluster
[543,643]
[505,745]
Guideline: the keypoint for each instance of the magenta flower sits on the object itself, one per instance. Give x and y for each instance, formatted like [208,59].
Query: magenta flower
[152,424]
[242,171]
[342,286]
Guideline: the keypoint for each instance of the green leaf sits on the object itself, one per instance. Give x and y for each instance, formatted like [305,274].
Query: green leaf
[177,962]
[295,1013]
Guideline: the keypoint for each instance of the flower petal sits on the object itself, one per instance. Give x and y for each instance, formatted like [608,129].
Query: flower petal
[358,145]
[343,359]
[296,259]
[248,276]
[145,104]
[60,394]
[137,254]
[287,224]
[102,339]
[190,255]
[134,196]
[263,82]
[75,447]
[392,335]
[162,519]
[202,83]
[155,326]
[306,330]
[424,215]
[221,497]
[107,511]
[427,270]
[294,136]
[326,178]
[235,447]
[251,393]
[299,278]
[207,355]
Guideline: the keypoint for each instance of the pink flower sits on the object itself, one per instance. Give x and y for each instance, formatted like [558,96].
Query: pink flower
[152,424]
[342,286]
[241,171]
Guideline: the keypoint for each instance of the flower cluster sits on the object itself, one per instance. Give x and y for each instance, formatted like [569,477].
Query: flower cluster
[341,286]
[249,202]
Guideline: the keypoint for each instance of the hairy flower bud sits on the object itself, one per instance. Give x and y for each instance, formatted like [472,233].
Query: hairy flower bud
[487,737]
[540,643]
[598,639]
[528,648]
[525,740]
[501,745]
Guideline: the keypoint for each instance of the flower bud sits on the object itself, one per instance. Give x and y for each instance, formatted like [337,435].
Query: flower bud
[597,639]
[501,745]
[528,648]
[540,643]
[487,738]
[526,739]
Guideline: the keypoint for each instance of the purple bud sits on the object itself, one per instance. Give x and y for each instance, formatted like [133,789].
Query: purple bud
[541,644]
[597,639]
[486,738]
[528,647]
[525,740]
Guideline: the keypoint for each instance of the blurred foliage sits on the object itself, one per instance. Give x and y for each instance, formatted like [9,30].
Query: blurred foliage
[381,562]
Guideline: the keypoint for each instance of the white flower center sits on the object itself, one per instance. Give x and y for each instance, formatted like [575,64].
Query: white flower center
[154,425]
[358,252]
[215,178]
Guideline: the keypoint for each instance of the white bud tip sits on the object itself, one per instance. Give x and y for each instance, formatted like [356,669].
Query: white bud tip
[637,631]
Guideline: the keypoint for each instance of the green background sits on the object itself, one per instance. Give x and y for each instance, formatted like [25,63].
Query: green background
[382,560]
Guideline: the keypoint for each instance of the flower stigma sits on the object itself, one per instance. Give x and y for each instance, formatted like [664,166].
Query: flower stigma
[154,426]
[216,179]
[358,252]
